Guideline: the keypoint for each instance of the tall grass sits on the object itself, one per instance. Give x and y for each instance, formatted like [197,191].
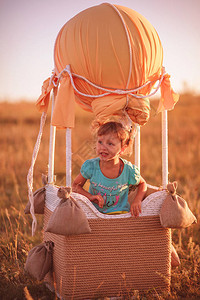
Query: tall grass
[19,125]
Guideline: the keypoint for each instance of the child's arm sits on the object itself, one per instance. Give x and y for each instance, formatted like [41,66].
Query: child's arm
[141,191]
[77,187]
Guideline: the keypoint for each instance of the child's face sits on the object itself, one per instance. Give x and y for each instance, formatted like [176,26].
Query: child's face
[108,146]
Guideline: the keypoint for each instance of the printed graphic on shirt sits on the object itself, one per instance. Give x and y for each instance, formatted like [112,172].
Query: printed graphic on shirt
[110,198]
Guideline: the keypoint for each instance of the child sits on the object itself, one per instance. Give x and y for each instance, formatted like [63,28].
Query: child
[110,175]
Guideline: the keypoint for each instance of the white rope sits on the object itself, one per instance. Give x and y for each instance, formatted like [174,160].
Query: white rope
[52,78]
[164,149]
[129,43]
[109,91]
[30,172]
[52,138]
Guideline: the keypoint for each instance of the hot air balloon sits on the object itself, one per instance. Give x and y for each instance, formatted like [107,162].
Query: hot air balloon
[108,59]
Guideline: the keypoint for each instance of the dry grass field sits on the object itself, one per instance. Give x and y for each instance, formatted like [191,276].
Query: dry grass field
[19,125]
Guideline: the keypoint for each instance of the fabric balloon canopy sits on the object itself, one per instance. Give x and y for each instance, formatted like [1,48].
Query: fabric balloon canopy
[108,58]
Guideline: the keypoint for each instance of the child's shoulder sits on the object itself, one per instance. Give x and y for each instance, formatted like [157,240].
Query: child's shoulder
[88,167]
[92,161]
[128,164]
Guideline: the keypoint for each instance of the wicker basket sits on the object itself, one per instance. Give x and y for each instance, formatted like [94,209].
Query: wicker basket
[122,253]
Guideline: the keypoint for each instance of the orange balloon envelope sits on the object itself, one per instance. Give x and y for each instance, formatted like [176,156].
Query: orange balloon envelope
[107,59]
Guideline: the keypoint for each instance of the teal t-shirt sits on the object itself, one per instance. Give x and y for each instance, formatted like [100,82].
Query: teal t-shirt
[113,190]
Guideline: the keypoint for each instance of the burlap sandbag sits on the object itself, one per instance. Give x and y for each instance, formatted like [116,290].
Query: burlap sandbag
[39,260]
[38,198]
[39,202]
[175,212]
[68,217]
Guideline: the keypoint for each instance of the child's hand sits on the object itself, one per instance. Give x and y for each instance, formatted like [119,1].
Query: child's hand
[136,208]
[98,199]
[141,191]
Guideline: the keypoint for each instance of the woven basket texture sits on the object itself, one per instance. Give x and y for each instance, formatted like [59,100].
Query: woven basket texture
[120,254]
[151,205]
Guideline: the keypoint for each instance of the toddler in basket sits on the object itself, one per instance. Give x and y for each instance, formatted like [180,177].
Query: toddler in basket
[110,176]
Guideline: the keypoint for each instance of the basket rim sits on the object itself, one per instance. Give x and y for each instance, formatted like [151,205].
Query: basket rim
[89,207]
